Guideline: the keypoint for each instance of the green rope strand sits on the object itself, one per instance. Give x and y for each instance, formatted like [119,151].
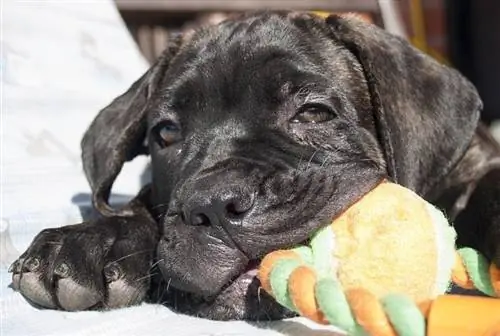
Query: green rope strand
[478,269]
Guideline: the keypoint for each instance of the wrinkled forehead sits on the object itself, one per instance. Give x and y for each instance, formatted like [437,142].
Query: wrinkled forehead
[249,62]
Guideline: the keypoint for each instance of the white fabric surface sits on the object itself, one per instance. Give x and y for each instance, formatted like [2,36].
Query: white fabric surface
[61,62]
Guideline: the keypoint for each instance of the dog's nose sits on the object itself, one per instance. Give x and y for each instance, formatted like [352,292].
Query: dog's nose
[218,205]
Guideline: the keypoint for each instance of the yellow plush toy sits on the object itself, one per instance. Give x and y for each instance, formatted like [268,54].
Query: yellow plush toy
[381,268]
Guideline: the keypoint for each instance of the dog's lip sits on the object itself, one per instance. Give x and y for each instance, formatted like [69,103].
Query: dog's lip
[248,274]
[252,268]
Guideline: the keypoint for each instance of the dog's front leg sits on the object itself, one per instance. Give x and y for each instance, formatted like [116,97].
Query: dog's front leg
[103,263]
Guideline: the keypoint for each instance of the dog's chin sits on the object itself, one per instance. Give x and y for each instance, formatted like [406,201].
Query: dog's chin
[244,299]
[241,299]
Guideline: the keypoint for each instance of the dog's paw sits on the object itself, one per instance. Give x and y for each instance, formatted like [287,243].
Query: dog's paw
[96,265]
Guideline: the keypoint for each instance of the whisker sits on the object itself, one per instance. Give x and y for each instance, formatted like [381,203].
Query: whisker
[156,263]
[131,255]
[311,158]
[258,293]
[146,276]
[163,292]
[168,283]
[163,289]
[324,162]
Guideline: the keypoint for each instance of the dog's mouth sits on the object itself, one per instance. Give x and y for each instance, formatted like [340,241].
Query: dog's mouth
[248,275]
[241,298]
[252,268]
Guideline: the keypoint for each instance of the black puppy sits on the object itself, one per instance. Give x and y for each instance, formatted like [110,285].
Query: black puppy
[260,129]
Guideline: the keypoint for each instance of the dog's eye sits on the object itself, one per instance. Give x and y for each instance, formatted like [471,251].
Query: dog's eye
[168,133]
[313,114]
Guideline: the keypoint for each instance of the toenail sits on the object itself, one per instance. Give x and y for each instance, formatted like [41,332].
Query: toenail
[15,267]
[32,264]
[62,270]
[112,272]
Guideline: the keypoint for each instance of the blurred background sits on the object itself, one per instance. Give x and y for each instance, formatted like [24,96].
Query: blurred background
[462,33]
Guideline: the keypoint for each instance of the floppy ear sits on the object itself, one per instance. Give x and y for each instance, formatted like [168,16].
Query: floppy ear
[425,113]
[118,132]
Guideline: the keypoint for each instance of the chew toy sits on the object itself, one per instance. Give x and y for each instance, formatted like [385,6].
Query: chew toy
[381,268]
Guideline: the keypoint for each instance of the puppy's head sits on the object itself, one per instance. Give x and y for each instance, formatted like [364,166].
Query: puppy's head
[262,128]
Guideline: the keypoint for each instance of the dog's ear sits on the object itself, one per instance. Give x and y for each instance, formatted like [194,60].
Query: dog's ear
[117,134]
[425,113]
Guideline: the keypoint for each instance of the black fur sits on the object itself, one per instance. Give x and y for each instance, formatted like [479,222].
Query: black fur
[244,174]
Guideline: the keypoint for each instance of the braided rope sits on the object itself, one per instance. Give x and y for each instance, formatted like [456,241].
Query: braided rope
[472,271]
[301,280]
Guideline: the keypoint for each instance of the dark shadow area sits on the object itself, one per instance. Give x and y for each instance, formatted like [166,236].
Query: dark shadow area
[84,202]
[462,291]
[474,47]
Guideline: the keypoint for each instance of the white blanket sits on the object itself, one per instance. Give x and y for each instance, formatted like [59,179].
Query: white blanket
[61,62]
